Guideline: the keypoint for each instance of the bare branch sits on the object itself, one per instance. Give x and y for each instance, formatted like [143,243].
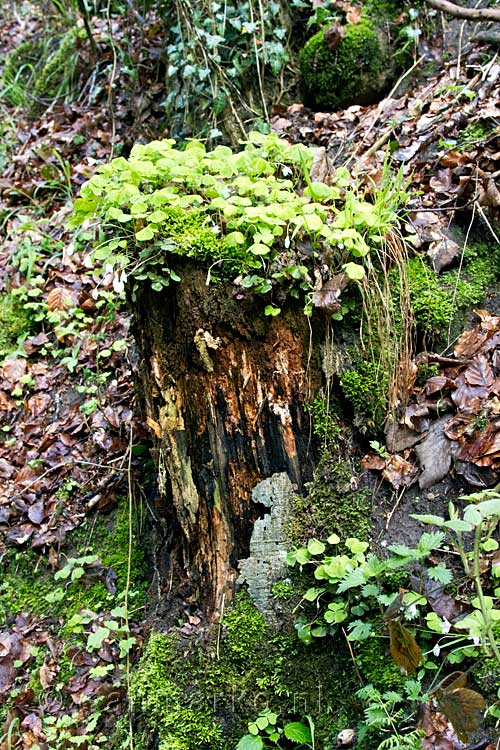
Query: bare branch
[471,14]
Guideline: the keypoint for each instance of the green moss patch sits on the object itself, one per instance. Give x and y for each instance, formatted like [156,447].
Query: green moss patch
[356,72]
[441,301]
[201,693]
[333,504]
[14,323]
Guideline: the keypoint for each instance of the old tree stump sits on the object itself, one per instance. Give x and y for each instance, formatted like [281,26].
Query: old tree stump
[224,389]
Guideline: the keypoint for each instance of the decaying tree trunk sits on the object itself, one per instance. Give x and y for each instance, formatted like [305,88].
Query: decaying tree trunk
[223,390]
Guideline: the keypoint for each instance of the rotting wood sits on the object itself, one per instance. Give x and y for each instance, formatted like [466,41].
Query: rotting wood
[224,418]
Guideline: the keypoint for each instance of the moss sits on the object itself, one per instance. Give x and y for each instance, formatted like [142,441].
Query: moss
[354,73]
[188,234]
[159,702]
[54,78]
[14,323]
[326,425]
[244,626]
[25,584]
[219,693]
[440,301]
[284,591]
[39,72]
[376,666]
[108,536]
[366,388]
[21,588]
[18,71]
[333,504]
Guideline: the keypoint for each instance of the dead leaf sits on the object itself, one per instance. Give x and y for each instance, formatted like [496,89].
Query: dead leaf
[47,674]
[334,35]
[480,373]
[327,298]
[353,14]
[434,455]
[62,298]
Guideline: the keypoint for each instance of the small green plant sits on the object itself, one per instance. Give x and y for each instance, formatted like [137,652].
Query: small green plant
[267,732]
[385,714]
[379,448]
[479,518]
[350,585]
[238,214]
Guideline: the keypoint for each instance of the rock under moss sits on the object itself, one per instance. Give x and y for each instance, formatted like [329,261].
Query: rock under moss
[358,71]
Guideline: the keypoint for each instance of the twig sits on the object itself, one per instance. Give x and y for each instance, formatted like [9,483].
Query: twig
[394,508]
[358,673]
[219,629]
[471,14]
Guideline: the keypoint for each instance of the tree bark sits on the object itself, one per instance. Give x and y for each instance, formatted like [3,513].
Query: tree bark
[223,389]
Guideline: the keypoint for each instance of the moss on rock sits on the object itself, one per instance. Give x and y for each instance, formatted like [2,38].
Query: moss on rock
[356,72]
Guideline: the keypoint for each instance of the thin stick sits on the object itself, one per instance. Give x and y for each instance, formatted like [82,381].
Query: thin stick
[360,678]
[129,568]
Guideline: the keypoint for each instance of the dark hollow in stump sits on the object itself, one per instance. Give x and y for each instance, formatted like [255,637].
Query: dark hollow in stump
[223,389]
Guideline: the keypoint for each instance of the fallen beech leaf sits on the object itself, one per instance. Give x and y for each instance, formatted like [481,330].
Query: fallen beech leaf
[36,512]
[62,298]
[47,675]
[32,345]
[6,470]
[334,35]
[373,461]
[480,373]
[13,369]
[399,472]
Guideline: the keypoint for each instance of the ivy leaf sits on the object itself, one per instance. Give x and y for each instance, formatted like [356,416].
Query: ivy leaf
[126,644]
[96,639]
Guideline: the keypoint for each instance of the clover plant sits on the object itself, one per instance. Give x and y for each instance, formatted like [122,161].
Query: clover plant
[254,214]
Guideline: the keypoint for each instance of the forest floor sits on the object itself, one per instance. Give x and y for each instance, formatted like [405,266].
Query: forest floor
[72,446]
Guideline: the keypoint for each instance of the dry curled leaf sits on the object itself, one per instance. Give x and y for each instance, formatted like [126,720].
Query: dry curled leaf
[62,298]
